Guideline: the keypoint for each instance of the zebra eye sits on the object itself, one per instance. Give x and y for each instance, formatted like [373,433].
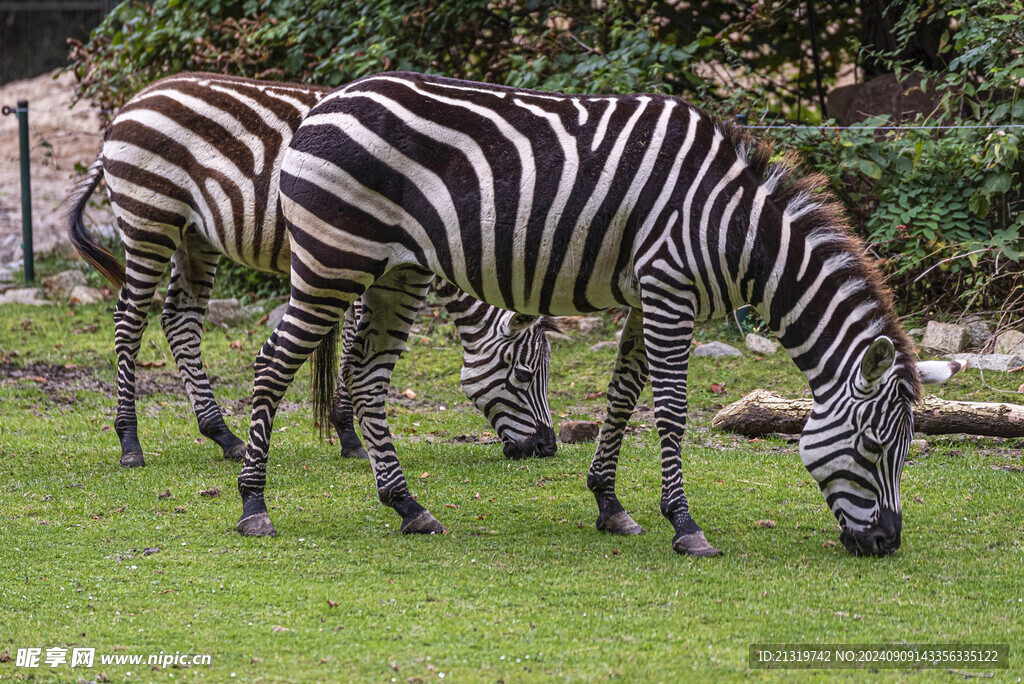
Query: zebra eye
[872,449]
[523,375]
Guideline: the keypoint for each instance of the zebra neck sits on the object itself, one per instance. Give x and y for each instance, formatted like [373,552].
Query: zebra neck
[471,317]
[825,310]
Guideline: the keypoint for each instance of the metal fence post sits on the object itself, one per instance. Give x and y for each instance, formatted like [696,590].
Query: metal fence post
[26,189]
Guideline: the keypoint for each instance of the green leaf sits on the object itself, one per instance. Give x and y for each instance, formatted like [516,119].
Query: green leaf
[870,168]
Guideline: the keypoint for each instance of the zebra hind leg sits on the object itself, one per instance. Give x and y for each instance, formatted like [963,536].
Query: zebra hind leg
[668,329]
[303,328]
[389,309]
[193,267]
[341,409]
[628,380]
[145,263]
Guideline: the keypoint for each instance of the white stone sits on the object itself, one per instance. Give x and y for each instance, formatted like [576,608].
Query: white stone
[81,294]
[59,286]
[606,344]
[716,349]
[761,345]
[32,296]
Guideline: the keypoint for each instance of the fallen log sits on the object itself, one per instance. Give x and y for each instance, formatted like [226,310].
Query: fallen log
[761,412]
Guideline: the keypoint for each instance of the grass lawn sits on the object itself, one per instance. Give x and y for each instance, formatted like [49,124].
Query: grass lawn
[523,588]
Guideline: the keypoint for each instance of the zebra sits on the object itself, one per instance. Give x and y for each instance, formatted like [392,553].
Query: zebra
[191,165]
[553,204]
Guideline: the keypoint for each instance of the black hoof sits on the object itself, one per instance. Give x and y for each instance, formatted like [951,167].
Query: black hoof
[235,453]
[620,523]
[133,459]
[424,523]
[354,452]
[256,526]
[694,544]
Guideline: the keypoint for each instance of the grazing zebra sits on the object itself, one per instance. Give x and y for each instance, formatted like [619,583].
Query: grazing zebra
[191,165]
[545,203]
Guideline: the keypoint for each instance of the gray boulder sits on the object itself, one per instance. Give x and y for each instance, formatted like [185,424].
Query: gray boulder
[716,349]
[32,296]
[227,312]
[978,331]
[989,362]
[59,286]
[944,338]
[275,316]
[590,325]
[576,431]
[1010,342]
[606,344]
[761,345]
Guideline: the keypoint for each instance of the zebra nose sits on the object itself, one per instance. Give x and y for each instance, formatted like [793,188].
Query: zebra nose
[546,443]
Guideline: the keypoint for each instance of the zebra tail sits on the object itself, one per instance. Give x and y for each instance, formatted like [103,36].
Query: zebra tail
[100,259]
[325,370]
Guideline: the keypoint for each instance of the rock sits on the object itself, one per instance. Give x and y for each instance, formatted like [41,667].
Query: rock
[606,344]
[225,312]
[978,331]
[590,325]
[916,334]
[944,338]
[761,345]
[716,349]
[1010,342]
[6,275]
[59,286]
[32,296]
[82,294]
[275,316]
[989,362]
[576,431]
[921,445]
[159,299]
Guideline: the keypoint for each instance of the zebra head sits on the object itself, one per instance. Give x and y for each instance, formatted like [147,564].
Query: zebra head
[506,377]
[855,445]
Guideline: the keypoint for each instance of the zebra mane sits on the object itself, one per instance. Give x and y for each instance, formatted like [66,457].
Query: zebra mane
[819,218]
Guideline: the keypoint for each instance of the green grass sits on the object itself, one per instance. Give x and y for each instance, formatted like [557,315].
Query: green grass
[523,588]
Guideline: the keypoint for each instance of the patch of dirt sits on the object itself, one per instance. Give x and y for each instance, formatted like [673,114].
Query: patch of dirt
[59,382]
[59,138]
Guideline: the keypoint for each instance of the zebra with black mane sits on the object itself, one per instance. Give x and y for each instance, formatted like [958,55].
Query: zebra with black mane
[191,165]
[551,204]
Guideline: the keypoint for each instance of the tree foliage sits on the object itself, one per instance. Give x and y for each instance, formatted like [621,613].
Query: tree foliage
[919,196]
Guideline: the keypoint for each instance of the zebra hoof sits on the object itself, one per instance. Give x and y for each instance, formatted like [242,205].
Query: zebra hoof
[620,523]
[424,523]
[354,452]
[235,453]
[256,526]
[132,459]
[694,544]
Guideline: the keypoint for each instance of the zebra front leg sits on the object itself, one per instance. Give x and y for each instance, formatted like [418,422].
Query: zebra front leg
[193,267]
[389,310]
[628,380]
[341,409]
[668,329]
[303,328]
[145,263]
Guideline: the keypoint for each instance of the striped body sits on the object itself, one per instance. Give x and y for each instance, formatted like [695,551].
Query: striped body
[553,204]
[191,165]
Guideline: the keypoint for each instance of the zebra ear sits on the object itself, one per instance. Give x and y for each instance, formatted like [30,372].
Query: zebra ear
[553,327]
[877,360]
[517,323]
[939,372]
